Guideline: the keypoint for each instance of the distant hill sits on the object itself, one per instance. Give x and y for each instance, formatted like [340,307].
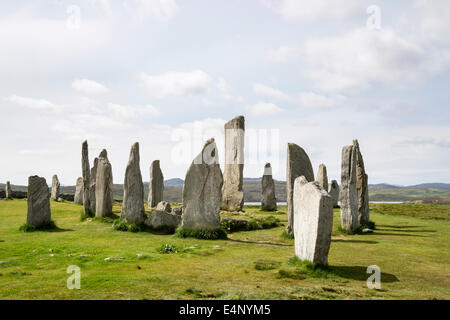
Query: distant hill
[173,182]
[438,186]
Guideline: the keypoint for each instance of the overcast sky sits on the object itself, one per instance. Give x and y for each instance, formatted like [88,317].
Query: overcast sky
[170,73]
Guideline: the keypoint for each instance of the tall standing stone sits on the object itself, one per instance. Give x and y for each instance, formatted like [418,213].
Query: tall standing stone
[268,199]
[8,191]
[156,185]
[362,186]
[322,176]
[349,193]
[78,197]
[313,221]
[55,187]
[298,164]
[38,202]
[232,193]
[104,197]
[92,183]
[86,170]
[334,192]
[202,191]
[133,190]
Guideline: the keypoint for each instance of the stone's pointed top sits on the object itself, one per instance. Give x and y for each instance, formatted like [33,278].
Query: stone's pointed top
[236,123]
[267,165]
[134,152]
[301,180]
[356,143]
[208,142]
[103,154]
[155,162]
[85,143]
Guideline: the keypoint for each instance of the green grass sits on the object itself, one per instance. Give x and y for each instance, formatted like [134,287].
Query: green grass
[416,210]
[412,253]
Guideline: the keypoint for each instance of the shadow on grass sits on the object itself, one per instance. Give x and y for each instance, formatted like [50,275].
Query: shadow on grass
[360,273]
[399,227]
[57,229]
[401,230]
[355,241]
[262,242]
[400,234]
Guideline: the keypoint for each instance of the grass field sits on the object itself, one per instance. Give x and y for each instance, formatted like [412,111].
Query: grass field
[412,252]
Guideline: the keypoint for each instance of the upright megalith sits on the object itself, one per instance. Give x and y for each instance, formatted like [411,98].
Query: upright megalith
[55,187]
[86,171]
[104,197]
[92,183]
[38,202]
[202,191]
[313,221]
[8,191]
[333,190]
[232,193]
[78,197]
[349,194]
[362,186]
[133,190]
[322,177]
[298,164]
[156,185]
[268,199]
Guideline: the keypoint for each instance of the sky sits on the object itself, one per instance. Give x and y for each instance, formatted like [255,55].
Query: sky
[170,73]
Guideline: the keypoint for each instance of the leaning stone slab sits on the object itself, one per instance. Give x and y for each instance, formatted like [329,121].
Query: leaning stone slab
[349,194]
[161,219]
[8,191]
[202,191]
[322,176]
[268,199]
[298,164]
[313,221]
[164,206]
[104,197]
[362,186]
[133,190]
[333,190]
[55,188]
[38,202]
[78,197]
[232,193]
[156,185]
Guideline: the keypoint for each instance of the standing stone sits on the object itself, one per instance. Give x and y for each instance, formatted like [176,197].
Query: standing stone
[313,221]
[104,197]
[232,194]
[362,186]
[55,188]
[322,176]
[268,199]
[92,182]
[202,191]
[78,197]
[38,202]
[133,190]
[298,164]
[334,192]
[86,178]
[8,191]
[349,194]
[156,185]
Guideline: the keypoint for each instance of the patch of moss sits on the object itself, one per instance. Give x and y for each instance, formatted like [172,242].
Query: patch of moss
[26,227]
[201,234]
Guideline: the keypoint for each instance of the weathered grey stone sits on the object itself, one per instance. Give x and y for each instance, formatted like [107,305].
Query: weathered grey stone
[164,206]
[78,198]
[161,219]
[313,221]
[202,191]
[8,191]
[362,186]
[156,185]
[86,170]
[349,194]
[133,190]
[298,164]
[178,211]
[334,192]
[322,176]
[268,199]
[55,188]
[232,194]
[92,182]
[104,197]
[38,202]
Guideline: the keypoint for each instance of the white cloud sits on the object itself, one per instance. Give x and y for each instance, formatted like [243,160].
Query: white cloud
[262,109]
[38,104]
[269,92]
[283,53]
[152,9]
[89,86]
[226,92]
[305,10]
[130,112]
[314,100]
[177,84]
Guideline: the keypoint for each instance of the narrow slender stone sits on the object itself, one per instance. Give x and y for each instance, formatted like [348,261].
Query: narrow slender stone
[298,164]
[78,197]
[156,185]
[104,197]
[349,194]
[38,202]
[334,192]
[268,199]
[133,190]
[8,191]
[86,178]
[322,176]
[232,193]
[92,183]
[202,191]
[55,188]
[362,186]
